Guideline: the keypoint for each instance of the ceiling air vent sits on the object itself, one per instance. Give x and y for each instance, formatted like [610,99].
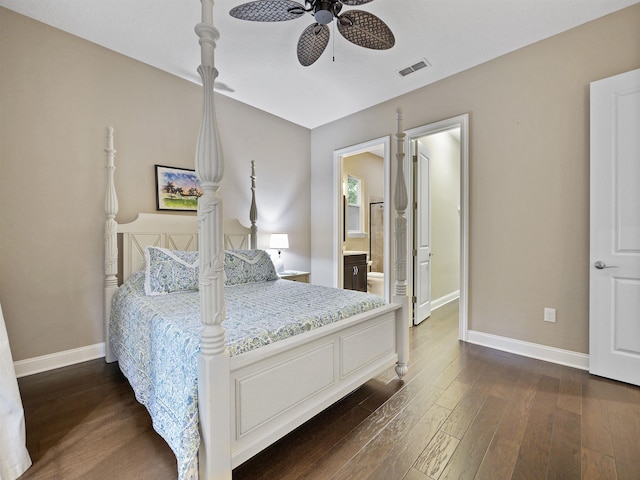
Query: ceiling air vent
[415,67]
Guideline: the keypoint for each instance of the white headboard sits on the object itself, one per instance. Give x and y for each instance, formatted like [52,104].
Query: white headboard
[177,232]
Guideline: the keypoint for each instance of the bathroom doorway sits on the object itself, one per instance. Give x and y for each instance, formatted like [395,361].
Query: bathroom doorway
[362,195]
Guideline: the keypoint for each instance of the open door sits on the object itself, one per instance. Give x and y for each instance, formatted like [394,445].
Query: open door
[614,296]
[422,234]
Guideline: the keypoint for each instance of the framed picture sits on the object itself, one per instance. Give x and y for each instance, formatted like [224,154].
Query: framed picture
[177,189]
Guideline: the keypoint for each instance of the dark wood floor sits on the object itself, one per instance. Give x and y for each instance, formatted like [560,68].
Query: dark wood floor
[462,412]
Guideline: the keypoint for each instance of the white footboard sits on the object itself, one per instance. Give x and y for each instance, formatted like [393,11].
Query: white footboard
[277,388]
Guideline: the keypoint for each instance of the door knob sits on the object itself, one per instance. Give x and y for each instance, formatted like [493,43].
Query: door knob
[601,265]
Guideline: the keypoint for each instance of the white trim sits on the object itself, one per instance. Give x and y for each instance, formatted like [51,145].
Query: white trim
[443,300]
[532,350]
[44,363]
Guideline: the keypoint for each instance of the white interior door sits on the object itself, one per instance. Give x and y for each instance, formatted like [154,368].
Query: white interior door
[614,310]
[422,235]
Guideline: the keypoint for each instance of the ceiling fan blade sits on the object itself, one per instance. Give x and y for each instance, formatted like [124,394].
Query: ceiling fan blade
[312,43]
[354,3]
[268,10]
[366,30]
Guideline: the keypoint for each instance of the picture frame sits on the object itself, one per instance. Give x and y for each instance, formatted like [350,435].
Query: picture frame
[177,189]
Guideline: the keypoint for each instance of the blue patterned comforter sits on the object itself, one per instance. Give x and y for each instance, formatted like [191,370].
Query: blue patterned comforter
[157,341]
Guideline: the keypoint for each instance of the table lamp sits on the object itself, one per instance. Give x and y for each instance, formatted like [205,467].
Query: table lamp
[279,241]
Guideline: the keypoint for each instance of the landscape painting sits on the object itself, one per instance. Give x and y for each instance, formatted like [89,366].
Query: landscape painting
[177,189]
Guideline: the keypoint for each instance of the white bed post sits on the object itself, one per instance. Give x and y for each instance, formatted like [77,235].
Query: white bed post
[400,200]
[253,211]
[110,242]
[213,362]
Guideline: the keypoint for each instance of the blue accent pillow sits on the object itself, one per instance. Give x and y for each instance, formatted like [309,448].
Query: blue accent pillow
[248,266]
[169,271]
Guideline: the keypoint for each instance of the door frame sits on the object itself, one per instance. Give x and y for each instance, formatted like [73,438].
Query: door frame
[338,216]
[462,122]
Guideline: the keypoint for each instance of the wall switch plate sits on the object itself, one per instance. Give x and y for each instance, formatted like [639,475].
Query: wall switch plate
[550,315]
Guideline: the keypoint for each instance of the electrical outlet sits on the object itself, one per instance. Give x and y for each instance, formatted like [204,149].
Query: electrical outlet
[550,315]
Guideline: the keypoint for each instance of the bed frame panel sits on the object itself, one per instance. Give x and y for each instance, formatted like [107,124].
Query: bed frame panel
[279,387]
[251,400]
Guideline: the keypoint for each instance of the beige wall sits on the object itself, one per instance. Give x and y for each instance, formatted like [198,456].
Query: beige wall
[58,94]
[529,175]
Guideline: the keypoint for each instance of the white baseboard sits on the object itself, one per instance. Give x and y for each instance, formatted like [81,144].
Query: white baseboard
[532,350]
[52,361]
[450,297]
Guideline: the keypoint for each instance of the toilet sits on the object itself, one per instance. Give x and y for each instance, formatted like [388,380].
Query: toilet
[375,283]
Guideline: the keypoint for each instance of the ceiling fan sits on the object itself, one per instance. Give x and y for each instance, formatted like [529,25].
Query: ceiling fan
[359,27]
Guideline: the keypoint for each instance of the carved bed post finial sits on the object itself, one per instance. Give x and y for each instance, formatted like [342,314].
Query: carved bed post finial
[253,211]
[213,362]
[400,200]
[110,240]
[210,169]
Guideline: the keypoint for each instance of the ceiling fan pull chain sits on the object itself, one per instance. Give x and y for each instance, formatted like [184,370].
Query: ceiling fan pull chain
[333,43]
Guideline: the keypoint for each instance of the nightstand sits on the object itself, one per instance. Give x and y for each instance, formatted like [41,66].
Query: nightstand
[295,276]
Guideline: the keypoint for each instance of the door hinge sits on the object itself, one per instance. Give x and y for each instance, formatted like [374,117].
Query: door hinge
[415,158]
[414,300]
[414,252]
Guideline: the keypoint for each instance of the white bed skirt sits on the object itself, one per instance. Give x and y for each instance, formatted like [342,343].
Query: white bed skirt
[14,457]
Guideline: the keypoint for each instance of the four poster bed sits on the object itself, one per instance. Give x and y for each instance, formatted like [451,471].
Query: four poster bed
[210,338]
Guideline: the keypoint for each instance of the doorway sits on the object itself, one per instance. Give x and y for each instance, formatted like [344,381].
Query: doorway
[438,222]
[362,197]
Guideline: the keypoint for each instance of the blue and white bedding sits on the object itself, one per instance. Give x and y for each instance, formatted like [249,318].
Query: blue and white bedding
[156,337]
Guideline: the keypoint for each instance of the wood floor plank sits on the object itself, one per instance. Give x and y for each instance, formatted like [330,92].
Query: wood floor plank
[516,415]
[596,431]
[506,371]
[533,457]
[404,454]
[433,460]
[329,464]
[464,413]
[565,451]
[499,460]
[414,474]
[570,395]
[596,466]
[375,422]
[625,430]
[466,460]
[370,457]
[453,394]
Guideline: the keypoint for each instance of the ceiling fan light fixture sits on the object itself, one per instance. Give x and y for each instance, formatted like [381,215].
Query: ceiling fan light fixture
[323,17]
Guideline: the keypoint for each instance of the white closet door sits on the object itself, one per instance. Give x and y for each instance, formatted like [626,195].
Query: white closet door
[614,323]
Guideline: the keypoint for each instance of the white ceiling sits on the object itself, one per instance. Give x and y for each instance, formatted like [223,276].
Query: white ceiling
[257,61]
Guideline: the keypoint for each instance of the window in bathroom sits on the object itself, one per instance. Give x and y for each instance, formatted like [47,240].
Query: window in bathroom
[354,207]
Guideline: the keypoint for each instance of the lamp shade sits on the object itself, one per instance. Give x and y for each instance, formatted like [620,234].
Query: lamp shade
[279,241]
